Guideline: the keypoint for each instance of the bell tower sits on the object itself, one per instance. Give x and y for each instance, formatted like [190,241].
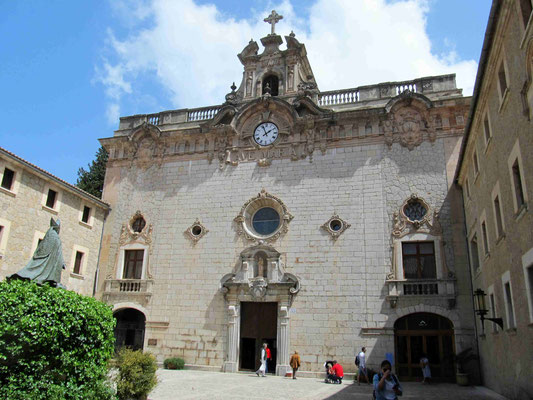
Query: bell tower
[275,72]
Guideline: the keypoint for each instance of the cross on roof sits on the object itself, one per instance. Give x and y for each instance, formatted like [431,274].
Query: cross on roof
[272,19]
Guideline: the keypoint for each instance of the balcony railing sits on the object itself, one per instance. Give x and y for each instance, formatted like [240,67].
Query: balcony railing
[127,286]
[422,287]
[201,114]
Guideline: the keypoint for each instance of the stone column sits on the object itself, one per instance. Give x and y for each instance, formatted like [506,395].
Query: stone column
[230,365]
[282,366]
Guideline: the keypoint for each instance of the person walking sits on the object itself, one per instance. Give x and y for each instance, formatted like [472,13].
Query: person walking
[269,358]
[262,368]
[386,384]
[294,363]
[426,371]
[360,361]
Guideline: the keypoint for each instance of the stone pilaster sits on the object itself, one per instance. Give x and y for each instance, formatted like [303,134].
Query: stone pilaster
[230,365]
[283,342]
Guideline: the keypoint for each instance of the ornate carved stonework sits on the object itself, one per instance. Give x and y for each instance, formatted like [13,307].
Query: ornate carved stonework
[257,287]
[429,223]
[128,235]
[335,226]
[263,199]
[196,231]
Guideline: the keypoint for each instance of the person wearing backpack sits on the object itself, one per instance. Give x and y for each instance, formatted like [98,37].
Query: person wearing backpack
[386,384]
[360,362]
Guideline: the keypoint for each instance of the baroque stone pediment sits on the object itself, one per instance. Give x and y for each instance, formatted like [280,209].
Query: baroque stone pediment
[427,222]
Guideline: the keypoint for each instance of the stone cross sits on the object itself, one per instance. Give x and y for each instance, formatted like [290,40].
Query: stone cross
[272,19]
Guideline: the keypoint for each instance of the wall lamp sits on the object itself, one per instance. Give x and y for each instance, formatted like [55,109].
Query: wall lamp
[481,310]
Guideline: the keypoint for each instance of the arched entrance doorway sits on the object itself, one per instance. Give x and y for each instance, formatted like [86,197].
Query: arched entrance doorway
[129,330]
[419,333]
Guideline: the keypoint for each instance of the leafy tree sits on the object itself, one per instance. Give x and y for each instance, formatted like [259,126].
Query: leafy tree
[54,344]
[92,181]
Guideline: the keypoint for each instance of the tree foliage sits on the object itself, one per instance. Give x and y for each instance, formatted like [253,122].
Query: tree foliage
[54,344]
[92,181]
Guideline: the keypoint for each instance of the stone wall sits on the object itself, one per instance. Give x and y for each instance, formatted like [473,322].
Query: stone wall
[343,294]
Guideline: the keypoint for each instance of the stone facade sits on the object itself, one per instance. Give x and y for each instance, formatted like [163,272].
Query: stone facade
[25,218]
[497,194]
[338,175]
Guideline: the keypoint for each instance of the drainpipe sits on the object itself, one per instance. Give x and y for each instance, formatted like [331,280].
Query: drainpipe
[460,189]
[97,273]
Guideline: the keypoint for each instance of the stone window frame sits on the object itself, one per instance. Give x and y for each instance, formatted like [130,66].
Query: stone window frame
[516,156]
[83,267]
[527,265]
[493,306]
[58,200]
[421,237]
[496,192]
[16,179]
[475,163]
[190,231]
[503,95]
[473,234]
[524,25]
[510,323]
[466,185]
[122,258]
[4,235]
[486,118]
[89,224]
[248,210]
[485,237]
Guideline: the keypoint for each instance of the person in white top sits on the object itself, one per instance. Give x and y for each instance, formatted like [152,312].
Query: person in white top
[426,371]
[362,366]
[262,367]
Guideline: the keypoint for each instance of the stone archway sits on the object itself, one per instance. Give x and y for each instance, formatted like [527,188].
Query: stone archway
[424,333]
[130,329]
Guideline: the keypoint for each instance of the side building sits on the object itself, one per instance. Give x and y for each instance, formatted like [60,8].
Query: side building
[313,221]
[29,197]
[495,173]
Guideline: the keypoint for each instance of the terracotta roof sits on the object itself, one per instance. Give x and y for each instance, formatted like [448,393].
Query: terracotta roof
[47,174]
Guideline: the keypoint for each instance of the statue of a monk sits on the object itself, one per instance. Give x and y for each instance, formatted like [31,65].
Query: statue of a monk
[47,261]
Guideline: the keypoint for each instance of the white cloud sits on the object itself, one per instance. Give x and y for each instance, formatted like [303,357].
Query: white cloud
[191,49]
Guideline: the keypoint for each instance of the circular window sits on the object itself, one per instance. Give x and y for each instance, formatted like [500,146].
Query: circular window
[138,224]
[196,230]
[335,225]
[266,221]
[415,210]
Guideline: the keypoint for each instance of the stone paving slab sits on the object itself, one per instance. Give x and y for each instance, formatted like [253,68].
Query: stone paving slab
[203,385]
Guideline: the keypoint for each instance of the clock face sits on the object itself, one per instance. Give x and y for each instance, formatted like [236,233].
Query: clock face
[266,133]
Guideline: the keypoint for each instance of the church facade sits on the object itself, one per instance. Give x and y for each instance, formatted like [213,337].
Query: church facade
[314,221]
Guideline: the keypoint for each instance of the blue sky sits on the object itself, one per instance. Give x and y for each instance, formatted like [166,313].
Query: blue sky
[70,68]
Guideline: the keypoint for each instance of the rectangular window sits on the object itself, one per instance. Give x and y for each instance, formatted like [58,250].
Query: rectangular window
[51,198]
[476,164]
[486,129]
[498,216]
[525,8]
[509,305]
[86,214]
[133,264]
[502,79]
[474,252]
[467,187]
[77,262]
[517,183]
[8,178]
[492,304]
[485,237]
[419,260]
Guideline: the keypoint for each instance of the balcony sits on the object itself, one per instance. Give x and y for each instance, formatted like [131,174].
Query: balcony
[421,288]
[128,290]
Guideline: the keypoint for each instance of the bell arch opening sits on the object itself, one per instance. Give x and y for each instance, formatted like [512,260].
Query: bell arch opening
[271,85]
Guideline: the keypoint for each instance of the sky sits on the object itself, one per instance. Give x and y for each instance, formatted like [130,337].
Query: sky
[70,69]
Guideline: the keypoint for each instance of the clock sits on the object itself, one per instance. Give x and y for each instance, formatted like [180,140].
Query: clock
[266,133]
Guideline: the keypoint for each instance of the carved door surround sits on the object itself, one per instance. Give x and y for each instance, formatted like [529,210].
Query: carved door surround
[243,285]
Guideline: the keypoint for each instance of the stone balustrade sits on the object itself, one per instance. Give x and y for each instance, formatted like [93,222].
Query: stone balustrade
[128,285]
[202,114]
[422,287]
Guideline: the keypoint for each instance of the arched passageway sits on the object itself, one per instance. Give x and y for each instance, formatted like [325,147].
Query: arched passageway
[129,330]
[424,333]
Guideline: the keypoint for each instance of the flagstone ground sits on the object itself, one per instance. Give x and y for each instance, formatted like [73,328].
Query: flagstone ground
[201,385]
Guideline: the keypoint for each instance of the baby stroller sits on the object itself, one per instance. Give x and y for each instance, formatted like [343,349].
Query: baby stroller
[330,378]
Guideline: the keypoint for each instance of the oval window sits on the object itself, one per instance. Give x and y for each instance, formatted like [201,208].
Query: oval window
[266,221]
[196,230]
[415,210]
[138,225]
[335,225]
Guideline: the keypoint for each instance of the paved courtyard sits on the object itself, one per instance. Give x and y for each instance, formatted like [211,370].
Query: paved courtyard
[203,385]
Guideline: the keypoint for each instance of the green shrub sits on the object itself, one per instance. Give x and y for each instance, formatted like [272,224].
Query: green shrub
[174,363]
[54,343]
[136,374]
